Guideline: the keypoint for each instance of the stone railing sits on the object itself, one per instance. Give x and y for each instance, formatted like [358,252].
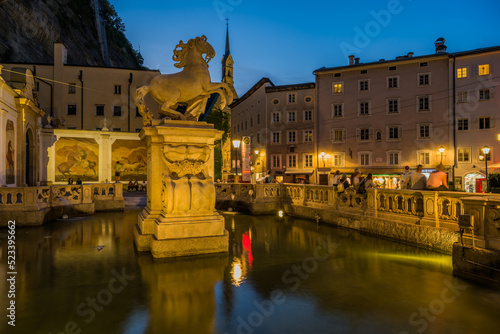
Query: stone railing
[427,208]
[50,196]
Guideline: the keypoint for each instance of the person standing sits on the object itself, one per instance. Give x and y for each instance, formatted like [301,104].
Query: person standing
[438,179]
[336,178]
[269,178]
[417,180]
[117,171]
[404,177]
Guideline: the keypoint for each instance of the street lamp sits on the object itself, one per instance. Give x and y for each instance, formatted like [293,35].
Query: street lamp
[441,150]
[256,163]
[486,150]
[236,144]
[322,154]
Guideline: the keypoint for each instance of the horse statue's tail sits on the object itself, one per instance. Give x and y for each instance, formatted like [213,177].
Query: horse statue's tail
[147,116]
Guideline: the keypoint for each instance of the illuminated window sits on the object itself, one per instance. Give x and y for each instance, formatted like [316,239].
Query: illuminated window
[308,136]
[462,72]
[337,110]
[424,158]
[484,69]
[337,135]
[338,159]
[463,154]
[337,88]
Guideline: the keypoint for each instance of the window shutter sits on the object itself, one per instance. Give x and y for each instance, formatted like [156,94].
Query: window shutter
[371,133]
[344,134]
[476,123]
[492,122]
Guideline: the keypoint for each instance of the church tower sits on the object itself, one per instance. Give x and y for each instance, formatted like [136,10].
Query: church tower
[227,64]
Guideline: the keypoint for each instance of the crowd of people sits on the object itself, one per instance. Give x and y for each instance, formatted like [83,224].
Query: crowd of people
[416,180]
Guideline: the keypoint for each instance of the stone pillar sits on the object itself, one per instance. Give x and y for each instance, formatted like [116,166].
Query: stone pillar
[180,217]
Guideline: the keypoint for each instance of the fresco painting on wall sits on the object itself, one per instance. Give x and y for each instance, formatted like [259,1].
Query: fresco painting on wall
[131,156]
[10,155]
[77,158]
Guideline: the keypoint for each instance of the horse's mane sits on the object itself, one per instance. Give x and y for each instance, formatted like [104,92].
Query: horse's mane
[180,51]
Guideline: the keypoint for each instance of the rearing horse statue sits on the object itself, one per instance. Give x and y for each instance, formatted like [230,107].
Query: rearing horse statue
[191,86]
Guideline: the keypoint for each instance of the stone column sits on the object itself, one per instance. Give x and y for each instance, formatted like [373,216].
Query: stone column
[180,217]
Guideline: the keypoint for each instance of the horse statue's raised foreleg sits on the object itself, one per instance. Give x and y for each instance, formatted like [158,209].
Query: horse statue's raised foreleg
[223,90]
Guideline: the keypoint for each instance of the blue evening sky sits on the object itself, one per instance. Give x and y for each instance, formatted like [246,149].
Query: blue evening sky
[287,40]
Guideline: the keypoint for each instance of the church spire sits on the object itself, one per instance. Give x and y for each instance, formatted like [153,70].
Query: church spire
[227,63]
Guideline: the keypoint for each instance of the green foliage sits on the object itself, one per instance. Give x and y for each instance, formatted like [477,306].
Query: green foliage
[221,121]
[494,180]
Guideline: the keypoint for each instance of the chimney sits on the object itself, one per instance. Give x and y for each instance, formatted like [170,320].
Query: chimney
[410,54]
[356,60]
[439,44]
[351,60]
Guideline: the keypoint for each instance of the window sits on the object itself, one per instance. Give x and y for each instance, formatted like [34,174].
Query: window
[423,103]
[393,106]
[481,155]
[463,154]
[308,160]
[484,123]
[308,136]
[251,122]
[292,97]
[364,108]
[461,72]
[364,159]
[308,115]
[308,99]
[337,75]
[71,109]
[392,68]
[117,129]
[424,158]
[117,111]
[463,124]
[462,97]
[393,158]
[337,88]
[258,118]
[292,136]
[363,71]
[424,131]
[484,94]
[246,123]
[364,134]
[292,161]
[484,69]
[392,82]
[276,137]
[338,159]
[393,132]
[99,109]
[275,101]
[276,117]
[291,116]
[118,89]
[424,79]
[276,160]
[337,135]
[72,88]
[364,85]
[238,128]
[337,110]
[424,64]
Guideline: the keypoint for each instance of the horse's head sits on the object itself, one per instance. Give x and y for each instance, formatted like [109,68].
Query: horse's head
[198,44]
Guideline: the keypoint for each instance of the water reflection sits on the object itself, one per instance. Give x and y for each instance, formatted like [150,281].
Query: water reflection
[280,275]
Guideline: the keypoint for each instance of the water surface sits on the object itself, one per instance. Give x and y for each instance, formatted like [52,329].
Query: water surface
[280,276]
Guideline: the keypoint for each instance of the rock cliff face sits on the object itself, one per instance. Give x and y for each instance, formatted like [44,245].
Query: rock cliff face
[29,28]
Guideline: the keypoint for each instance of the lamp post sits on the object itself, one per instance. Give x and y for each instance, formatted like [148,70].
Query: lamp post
[486,150]
[441,150]
[255,164]
[322,154]
[236,144]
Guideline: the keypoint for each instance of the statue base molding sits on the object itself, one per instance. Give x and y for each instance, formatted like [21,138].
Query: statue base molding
[180,217]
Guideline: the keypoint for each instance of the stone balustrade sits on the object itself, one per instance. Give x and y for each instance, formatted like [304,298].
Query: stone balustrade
[420,208]
[35,205]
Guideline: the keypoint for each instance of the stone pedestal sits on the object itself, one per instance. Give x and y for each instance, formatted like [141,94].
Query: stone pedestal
[180,217]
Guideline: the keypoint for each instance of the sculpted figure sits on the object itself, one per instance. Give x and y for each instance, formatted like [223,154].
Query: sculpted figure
[190,87]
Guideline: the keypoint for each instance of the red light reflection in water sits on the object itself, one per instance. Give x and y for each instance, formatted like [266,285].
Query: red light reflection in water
[247,246]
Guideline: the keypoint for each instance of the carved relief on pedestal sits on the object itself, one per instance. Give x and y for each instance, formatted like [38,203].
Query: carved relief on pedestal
[187,186]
